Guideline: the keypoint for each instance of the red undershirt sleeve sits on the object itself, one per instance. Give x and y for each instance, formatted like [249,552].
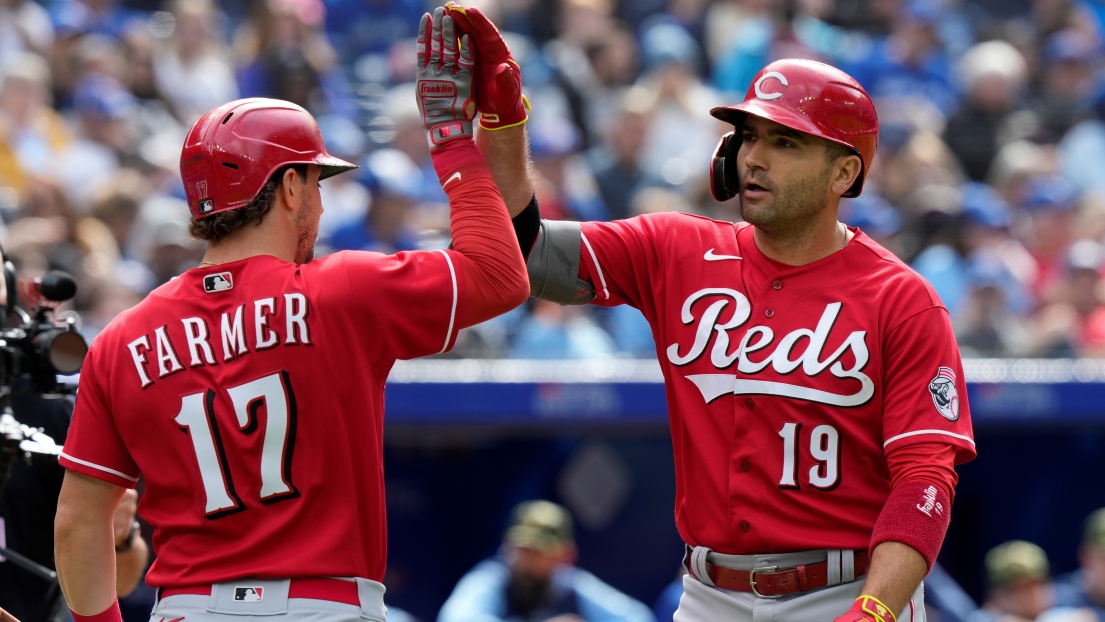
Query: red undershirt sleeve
[488,260]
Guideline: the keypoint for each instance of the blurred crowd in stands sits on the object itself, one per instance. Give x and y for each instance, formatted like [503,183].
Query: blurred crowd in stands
[989,178]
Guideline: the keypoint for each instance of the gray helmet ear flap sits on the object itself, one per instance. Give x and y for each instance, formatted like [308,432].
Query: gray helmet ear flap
[724,182]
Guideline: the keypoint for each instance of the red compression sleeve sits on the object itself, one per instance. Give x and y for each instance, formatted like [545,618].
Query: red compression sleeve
[111,614]
[917,513]
[490,265]
[934,462]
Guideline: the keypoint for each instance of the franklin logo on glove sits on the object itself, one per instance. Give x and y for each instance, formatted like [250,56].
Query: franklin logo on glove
[441,88]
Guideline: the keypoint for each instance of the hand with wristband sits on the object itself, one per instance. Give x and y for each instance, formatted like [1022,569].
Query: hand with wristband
[498,77]
[868,609]
[444,81]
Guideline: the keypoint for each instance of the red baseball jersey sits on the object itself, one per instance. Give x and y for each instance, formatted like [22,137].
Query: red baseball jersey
[250,396]
[786,385]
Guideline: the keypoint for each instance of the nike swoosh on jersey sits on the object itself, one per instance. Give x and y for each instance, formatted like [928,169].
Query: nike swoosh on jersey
[710,256]
[455,176]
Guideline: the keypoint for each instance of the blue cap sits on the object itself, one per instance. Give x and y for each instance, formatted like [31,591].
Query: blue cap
[103,96]
[1049,193]
[986,272]
[390,171]
[983,206]
[663,41]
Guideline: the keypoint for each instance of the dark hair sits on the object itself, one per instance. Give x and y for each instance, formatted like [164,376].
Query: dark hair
[222,225]
[834,151]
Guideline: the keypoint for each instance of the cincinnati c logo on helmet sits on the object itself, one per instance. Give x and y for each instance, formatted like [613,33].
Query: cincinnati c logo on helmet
[770,96]
[944,394]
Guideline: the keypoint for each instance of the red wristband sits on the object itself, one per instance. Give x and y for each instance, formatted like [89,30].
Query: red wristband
[916,514]
[111,614]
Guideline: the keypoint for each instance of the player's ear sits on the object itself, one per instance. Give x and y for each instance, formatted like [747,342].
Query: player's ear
[291,186]
[846,171]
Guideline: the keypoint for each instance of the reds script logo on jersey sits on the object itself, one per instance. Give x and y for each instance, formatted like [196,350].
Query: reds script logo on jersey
[730,311]
[944,394]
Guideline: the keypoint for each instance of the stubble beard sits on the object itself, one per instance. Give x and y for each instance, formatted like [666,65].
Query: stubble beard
[789,212]
[305,238]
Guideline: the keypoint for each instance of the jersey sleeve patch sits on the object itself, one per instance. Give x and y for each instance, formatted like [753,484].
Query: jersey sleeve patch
[944,394]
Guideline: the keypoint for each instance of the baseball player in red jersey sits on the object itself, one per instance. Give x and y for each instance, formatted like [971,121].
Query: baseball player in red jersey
[814,385]
[249,392]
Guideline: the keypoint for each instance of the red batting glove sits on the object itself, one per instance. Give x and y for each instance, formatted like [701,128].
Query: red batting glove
[498,79]
[868,609]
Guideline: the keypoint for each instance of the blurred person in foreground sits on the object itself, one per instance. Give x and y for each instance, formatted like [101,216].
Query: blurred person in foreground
[269,442]
[751,315]
[533,579]
[1084,588]
[1018,584]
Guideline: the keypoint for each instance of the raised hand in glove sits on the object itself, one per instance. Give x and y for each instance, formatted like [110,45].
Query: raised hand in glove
[868,609]
[444,80]
[498,77]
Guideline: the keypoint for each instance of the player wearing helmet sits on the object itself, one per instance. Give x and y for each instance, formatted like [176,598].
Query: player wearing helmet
[248,392]
[814,385]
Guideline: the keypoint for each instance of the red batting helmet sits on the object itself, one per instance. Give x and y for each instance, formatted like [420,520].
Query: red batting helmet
[233,150]
[807,96]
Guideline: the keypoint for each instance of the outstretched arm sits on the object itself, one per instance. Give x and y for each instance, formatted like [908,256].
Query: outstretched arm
[508,157]
[489,263]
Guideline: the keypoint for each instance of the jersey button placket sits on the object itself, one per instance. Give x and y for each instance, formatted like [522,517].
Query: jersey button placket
[769,312]
[777,285]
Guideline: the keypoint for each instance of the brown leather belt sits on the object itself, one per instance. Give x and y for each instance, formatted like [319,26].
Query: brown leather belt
[772,581]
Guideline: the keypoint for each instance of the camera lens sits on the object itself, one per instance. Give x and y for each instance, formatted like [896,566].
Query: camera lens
[61,349]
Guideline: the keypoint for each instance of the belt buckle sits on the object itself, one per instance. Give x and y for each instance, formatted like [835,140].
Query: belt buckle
[752,581]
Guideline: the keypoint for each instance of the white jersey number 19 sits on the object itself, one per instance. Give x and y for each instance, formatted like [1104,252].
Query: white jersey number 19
[197,418]
[825,450]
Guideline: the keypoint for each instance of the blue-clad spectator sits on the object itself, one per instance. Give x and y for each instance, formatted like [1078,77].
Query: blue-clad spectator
[570,190]
[534,579]
[1070,58]
[912,62]
[767,36]
[396,185]
[556,332]
[874,216]
[364,31]
[1082,149]
[102,17]
[288,57]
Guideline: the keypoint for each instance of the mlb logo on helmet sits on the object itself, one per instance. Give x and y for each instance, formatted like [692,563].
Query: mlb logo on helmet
[944,394]
[218,282]
[249,594]
[206,205]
